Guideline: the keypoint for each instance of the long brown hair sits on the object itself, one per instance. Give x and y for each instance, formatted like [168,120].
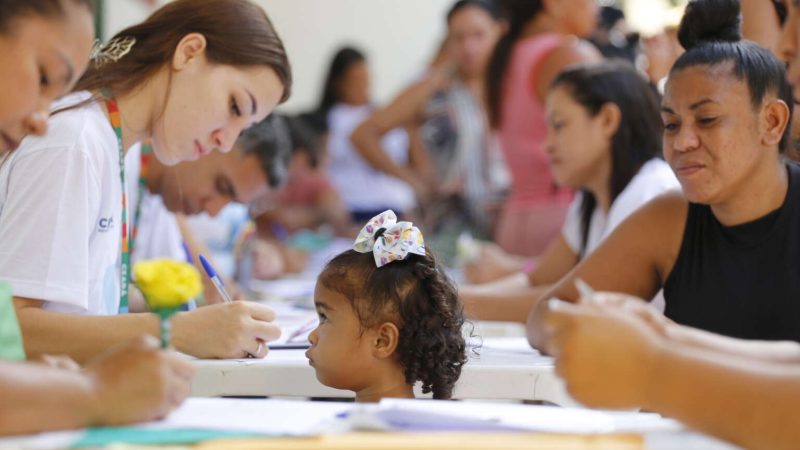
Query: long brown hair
[237,32]
[10,10]
[519,13]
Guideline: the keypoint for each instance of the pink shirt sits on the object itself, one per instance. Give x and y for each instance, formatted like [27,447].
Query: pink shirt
[534,212]
[523,128]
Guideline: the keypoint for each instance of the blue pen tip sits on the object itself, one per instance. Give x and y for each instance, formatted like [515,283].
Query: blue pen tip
[207,267]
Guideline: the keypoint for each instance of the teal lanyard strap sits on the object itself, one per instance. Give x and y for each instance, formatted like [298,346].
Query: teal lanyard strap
[125,269]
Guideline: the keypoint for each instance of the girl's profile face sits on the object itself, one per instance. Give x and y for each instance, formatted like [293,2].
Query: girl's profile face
[208,105]
[41,58]
[340,348]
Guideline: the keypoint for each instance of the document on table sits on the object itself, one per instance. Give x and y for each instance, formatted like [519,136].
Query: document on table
[263,416]
[432,415]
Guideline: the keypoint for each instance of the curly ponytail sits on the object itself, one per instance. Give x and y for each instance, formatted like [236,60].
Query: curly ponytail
[432,347]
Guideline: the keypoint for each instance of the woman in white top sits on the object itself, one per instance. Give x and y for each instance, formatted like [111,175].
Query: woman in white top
[190,79]
[44,48]
[604,137]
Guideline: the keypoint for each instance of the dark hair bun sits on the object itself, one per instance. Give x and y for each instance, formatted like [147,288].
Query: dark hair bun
[710,21]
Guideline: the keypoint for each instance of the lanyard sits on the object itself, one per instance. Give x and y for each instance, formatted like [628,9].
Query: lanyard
[144,162]
[125,270]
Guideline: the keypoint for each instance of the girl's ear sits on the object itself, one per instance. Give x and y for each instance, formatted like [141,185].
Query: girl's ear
[190,47]
[386,338]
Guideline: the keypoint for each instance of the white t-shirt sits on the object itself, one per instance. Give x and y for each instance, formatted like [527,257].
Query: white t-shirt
[654,178]
[362,187]
[158,234]
[61,211]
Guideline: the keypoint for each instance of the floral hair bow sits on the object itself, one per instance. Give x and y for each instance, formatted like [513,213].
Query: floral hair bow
[388,239]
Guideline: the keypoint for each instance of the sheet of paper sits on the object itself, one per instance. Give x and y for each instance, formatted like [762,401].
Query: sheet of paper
[427,415]
[265,416]
[295,328]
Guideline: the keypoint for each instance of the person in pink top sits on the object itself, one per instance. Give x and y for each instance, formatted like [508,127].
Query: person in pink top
[541,41]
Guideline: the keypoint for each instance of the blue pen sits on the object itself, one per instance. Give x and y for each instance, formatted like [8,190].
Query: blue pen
[215,279]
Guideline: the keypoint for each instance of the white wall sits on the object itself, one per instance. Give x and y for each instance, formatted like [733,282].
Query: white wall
[398,36]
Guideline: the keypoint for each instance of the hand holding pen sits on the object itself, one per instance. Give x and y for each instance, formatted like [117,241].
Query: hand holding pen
[216,280]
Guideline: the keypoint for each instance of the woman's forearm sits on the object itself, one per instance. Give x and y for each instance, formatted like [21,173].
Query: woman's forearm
[37,398]
[749,403]
[77,336]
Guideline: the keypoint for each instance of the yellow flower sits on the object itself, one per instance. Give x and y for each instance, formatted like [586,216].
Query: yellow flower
[166,283]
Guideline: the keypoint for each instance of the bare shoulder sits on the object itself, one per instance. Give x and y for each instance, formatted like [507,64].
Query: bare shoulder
[659,222]
[658,225]
[570,51]
[665,210]
[634,257]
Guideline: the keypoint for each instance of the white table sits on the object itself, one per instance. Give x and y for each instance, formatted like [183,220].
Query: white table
[504,369]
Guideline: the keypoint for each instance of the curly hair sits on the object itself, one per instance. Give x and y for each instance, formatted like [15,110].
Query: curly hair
[420,299]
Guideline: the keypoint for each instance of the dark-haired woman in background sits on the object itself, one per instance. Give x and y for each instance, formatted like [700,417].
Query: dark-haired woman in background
[345,103]
[603,136]
[466,175]
[727,253]
[540,43]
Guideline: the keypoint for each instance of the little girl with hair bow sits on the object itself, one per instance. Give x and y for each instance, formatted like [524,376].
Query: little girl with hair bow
[389,317]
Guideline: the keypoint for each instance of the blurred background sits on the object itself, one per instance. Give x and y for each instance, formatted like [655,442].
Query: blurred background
[399,37]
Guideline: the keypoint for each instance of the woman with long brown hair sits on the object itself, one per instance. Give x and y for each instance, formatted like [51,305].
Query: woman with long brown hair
[44,48]
[189,79]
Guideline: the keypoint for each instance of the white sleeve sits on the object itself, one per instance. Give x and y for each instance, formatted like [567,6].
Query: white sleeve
[48,198]
[572,225]
[158,235]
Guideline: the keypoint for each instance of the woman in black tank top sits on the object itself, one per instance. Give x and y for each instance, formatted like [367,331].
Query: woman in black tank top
[742,280]
[727,253]
[728,258]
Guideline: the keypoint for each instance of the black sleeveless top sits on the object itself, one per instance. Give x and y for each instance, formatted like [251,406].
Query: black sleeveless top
[741,281]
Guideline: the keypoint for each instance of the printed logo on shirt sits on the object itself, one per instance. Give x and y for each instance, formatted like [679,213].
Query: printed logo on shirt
[105,224]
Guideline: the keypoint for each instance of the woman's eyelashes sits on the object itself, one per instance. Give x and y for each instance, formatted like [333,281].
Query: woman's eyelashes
[237,112]
[44,79]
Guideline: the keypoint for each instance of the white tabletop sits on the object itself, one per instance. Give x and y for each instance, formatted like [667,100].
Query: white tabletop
[503,369]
